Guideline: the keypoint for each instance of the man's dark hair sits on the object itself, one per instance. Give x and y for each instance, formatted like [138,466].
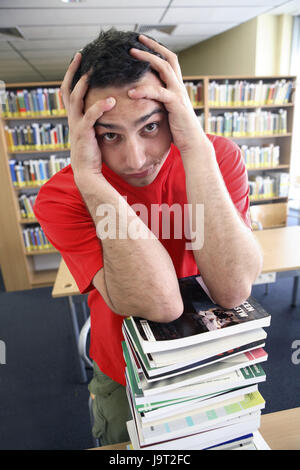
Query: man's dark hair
[109,62]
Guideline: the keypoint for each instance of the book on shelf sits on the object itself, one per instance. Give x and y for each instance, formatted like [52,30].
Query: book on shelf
[195,92]
[190,385]
[33,103]
[37,137]
[248,124]
[261,157]
[26,204]
[35,172]
[281,183]
[271,185]
[245,93]
[35,239]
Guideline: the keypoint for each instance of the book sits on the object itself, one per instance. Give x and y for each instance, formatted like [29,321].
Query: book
[158,373]
[235,428]
[203,419]
[192,404]
[193,383]
[144,401]
[202,320]
[213,371]
[206,351]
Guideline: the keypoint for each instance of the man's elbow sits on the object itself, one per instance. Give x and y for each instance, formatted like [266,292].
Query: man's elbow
[167,311]
[235,297]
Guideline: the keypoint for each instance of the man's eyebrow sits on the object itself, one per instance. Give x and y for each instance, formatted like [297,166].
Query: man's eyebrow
[136,123]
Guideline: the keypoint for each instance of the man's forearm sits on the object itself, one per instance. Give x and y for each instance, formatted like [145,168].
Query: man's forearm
[230,259]
[139,274]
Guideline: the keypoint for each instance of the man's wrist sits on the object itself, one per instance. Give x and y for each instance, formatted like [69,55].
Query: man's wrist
[199,148]
[86,181]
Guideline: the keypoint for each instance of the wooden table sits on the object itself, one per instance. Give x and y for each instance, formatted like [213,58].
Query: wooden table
[281,252]
[280,247]
[281,431]
[65,284]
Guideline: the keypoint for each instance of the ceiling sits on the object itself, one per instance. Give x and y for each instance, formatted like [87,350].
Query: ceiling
[50,31]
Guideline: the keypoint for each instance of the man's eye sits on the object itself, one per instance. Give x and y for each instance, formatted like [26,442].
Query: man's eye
[109,136]
[153,126]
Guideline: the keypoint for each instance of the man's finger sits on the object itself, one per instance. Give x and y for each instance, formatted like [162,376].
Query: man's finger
[165,70]
[76,98]
[169,55]
[96,111]
[67,81]
[149,92]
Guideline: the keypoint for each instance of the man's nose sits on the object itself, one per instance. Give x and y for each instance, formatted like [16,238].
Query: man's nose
[135,155]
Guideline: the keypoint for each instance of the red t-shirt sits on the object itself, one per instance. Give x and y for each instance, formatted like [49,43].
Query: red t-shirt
[68,225]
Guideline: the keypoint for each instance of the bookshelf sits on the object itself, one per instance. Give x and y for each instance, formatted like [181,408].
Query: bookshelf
[262,124]
[18,265]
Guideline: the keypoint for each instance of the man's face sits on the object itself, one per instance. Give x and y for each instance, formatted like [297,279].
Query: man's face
[134,136]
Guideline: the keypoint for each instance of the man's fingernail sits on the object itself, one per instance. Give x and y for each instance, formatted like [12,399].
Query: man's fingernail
[131,92]
[110,100]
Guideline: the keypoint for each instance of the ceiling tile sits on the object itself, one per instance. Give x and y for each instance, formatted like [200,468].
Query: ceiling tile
[211,15]
[86,32]
[224,3]
[202,28]
[44,45]
[24,17]
[85,4]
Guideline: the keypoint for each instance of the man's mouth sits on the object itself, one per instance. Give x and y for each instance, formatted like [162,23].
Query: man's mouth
[141,174]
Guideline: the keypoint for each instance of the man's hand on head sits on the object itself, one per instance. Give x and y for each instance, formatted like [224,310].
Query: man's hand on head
[184,124]
[86,158]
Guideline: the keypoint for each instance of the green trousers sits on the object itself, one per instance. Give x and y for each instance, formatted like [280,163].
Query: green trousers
[110,409]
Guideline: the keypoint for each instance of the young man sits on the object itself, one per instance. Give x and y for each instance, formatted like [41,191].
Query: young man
[136,144]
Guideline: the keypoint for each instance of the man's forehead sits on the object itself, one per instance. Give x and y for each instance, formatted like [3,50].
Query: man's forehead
[118,120]
[97,93]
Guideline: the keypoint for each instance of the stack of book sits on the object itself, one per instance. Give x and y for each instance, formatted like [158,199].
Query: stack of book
[193,383]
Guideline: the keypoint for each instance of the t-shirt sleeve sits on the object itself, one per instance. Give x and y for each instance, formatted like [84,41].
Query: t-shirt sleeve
[234,172]
[69,227]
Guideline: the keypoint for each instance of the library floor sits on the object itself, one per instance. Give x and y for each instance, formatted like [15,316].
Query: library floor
[42,405]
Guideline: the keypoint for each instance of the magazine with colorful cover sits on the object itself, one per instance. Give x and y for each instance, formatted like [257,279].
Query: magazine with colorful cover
[202,320]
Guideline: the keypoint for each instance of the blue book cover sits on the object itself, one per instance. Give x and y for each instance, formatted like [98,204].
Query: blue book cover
[40,99]
[35,101]
[13,171]
[41,168]
[26,101]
